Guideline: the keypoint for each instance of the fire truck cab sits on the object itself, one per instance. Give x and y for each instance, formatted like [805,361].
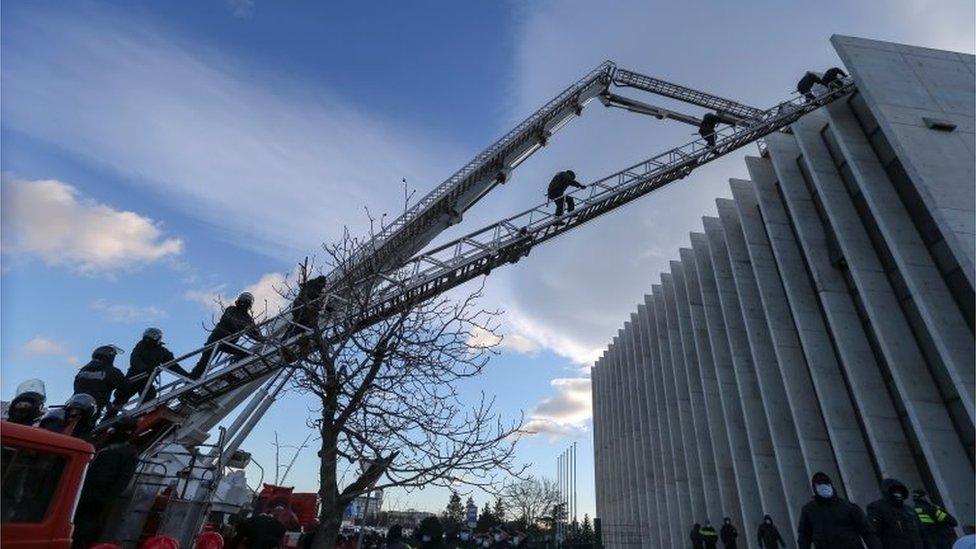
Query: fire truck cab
[42,474]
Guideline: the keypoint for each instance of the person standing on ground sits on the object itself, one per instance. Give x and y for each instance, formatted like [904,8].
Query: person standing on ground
[394,538]
[893,521]
[938,527]
[728,533]
[830,521]
[260,531]
[557,189]
[709,535]
[697,541]
[768,535]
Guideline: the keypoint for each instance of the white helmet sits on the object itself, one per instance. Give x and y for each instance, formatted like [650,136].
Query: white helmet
[245,297]
[32,387]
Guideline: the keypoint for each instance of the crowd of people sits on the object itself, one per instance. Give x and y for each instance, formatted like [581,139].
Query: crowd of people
[899,519]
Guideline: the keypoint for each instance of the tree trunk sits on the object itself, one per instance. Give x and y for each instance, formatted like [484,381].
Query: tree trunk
[331,510]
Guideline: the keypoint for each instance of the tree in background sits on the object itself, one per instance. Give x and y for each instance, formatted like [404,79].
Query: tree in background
[498,509]
[453,516]
[386,374]
[586,531]
[531,502]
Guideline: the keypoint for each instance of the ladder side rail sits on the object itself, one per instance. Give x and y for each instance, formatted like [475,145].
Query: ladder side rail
[627,78]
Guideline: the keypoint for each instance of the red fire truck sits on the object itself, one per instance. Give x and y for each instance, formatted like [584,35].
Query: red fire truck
[42,474]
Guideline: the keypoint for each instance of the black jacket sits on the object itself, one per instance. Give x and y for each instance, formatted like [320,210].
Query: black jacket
[697,541]
[236,319]
[99,379]
[833,523]
[560,182]
[709,536]
[109,473]
[728,533]
[769,536]
[894,521]
[307,303]
[937,526]
[146,356]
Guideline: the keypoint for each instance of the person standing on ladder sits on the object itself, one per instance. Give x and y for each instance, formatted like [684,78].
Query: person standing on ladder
[707,128]
[557,189]
[236,320]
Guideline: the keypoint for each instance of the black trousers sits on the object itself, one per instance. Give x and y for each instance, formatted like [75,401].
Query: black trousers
[222,348]
[564,201]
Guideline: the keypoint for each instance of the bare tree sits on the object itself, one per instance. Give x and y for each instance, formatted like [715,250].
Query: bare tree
[387,386]
[531,501]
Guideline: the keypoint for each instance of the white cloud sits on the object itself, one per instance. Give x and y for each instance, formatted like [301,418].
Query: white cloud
[41,346]
[50,220]
[514,341]
[565,413]
[241,8]
[266,291]
[128,314]
[273,164]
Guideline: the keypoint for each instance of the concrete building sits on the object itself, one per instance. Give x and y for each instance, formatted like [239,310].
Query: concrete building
[823,321]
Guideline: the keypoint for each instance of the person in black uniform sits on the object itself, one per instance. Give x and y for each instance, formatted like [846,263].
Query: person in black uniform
[768,535]
[697,541]
[148,353]
[307,305]
[99,378]
[728,533]
[938,526]
[108,475]
[893,521]
[805,85]
[708,535]
[260,531]
[707,128]
[557,188]
[235,321]
[830,521]
[833,78]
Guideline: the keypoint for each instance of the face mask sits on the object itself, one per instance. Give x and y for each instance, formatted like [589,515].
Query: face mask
[486,544]
[463,536]
[898,496]
[769,521]
[824,490]
[426,538]
[498,537]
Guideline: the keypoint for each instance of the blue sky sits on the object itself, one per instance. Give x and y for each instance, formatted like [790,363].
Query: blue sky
[155,155]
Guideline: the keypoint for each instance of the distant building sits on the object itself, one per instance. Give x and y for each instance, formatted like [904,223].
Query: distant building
[368,505]
[823,321]
[407,519]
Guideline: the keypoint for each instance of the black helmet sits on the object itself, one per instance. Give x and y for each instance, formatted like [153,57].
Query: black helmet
[106,353]
[82,402]
[245,299]
[571,174]
[123,425]
[154,334]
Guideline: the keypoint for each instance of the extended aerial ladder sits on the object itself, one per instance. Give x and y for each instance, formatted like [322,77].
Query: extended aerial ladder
[402,277]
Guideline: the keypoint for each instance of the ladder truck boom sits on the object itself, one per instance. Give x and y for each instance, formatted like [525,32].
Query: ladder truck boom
[446,203]
[430,273]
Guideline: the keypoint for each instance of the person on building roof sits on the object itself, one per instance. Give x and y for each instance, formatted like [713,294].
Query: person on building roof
[235,321]
[99,378]
[831,521]
[806,84]
[892,520]
[557,189]
[27,407]
[833,78]
[938,526]
[148,353]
